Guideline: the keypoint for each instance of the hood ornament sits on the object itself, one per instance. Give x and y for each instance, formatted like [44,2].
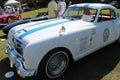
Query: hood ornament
[62,30]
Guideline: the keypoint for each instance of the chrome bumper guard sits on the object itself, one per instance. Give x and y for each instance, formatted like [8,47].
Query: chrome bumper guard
[16,59]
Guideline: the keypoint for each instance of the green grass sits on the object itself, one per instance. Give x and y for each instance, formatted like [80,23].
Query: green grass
[33,13]
[3,41]
[119,11]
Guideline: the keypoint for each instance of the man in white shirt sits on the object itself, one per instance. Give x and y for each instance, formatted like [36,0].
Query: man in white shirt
[61,7]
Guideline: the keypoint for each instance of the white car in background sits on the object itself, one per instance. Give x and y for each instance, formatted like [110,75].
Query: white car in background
[47,47]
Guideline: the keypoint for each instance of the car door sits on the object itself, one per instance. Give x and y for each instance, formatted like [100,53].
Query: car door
[105,27]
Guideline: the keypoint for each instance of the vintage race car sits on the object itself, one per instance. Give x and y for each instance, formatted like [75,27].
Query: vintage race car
[8,18]
[48,47]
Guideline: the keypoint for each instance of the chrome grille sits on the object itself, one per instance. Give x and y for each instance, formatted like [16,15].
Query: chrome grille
[18,46]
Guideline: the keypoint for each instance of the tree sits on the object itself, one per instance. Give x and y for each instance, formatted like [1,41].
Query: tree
[2,2]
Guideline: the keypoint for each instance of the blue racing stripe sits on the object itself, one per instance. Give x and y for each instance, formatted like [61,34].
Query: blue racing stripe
[46,21]
[41,28]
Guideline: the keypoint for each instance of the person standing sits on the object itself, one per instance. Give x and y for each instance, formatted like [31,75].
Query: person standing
[61,7]
[52,9]
[70,2]
[9,10]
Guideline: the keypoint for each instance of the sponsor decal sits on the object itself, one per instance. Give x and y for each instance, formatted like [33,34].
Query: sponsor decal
[91,40]
[106,34]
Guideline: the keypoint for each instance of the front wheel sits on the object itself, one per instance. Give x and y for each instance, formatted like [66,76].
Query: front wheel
[54,64]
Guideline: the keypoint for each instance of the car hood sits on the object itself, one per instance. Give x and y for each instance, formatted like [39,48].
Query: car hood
[47,29]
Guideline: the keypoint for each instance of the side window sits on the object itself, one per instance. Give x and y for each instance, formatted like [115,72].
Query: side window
[106,15]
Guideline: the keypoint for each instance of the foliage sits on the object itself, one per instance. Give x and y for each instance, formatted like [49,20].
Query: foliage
[43,3]
[2,2]
[3,41]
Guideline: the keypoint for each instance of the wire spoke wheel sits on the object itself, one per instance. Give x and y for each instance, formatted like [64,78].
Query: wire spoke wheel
[57,64]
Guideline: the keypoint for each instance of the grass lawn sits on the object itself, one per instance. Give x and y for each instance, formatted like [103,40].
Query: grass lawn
[3,41]
[119,11]
[33,13]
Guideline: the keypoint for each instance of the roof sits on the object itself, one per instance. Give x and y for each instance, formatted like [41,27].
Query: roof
[93,5]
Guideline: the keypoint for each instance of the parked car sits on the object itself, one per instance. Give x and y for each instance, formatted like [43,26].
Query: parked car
[26,20]
[48,47]
[8,18]
[115,3]
[25,7]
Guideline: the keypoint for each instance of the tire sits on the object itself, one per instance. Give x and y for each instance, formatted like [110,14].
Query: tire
[54,64]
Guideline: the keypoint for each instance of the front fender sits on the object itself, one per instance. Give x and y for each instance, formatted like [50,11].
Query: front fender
[34,53]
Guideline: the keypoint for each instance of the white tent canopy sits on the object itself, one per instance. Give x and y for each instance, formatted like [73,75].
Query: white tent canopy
[12,2]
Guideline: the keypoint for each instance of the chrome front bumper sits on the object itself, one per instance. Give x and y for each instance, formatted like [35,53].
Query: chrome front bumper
[17,61]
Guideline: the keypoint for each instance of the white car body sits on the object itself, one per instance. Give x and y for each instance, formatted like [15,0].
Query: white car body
[80,36]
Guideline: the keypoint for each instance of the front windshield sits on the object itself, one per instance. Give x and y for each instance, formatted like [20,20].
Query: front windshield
[83,13]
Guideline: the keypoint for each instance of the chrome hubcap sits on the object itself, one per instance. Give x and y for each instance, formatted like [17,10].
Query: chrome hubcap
[57,64]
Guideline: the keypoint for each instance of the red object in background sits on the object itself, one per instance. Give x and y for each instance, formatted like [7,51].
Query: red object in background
[8,18]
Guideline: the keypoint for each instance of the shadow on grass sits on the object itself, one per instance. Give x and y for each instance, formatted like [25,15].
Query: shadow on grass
[96,65]
[5,67]
[92,67]
[3,37]
[1,27]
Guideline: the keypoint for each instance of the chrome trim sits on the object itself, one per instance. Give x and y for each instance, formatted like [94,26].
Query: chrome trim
[17,61]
